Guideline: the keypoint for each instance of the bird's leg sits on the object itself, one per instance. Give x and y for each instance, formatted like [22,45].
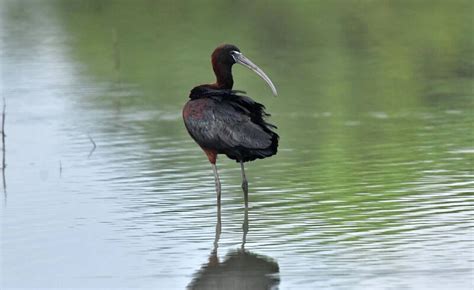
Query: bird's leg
[245,184]
[218,183]
[213,258]
[245,228]
[218,227]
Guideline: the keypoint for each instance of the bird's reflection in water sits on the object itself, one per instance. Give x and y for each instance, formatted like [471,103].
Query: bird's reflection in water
[240,269]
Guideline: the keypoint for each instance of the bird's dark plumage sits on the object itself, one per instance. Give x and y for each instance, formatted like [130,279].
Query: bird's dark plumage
[227,122]
[224,121]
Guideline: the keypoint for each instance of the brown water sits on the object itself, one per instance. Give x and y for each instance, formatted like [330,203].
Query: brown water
[372,187]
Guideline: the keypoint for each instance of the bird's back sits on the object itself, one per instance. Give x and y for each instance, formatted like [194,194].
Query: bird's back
[229,123]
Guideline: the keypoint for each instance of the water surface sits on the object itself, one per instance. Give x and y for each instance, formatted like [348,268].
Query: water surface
[372,187]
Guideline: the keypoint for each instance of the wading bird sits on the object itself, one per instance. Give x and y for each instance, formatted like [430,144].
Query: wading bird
[223,121]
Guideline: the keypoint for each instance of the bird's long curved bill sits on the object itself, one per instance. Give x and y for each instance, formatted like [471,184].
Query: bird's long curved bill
[241,59]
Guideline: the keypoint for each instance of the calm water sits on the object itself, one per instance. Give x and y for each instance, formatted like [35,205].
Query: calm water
[372,187]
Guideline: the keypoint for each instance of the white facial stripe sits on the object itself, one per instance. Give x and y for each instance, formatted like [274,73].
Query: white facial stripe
[235,53]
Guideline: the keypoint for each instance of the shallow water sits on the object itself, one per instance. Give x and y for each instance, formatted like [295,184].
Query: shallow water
[372,187]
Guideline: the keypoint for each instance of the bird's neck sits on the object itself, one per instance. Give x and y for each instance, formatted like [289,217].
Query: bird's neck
[223,74]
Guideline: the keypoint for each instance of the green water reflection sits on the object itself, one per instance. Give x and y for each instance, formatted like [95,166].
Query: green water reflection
[343,57]
[359,81]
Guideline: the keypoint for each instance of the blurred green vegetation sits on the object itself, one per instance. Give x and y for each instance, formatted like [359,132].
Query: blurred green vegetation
[380,63]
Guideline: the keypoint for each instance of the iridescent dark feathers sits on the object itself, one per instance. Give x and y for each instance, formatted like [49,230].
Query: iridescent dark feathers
[229,123]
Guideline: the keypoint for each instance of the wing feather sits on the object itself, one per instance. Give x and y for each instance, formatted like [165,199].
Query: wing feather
[229,123]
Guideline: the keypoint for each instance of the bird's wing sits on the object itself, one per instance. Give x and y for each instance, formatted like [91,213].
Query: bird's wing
[221,126]
[235,128]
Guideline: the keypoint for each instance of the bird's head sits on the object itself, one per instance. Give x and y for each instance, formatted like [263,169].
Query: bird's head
[227,55]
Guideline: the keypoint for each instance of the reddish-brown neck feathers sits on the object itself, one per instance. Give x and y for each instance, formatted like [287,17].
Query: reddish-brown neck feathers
[222,66]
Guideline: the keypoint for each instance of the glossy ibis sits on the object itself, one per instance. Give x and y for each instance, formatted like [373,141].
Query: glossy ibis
[224,121]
